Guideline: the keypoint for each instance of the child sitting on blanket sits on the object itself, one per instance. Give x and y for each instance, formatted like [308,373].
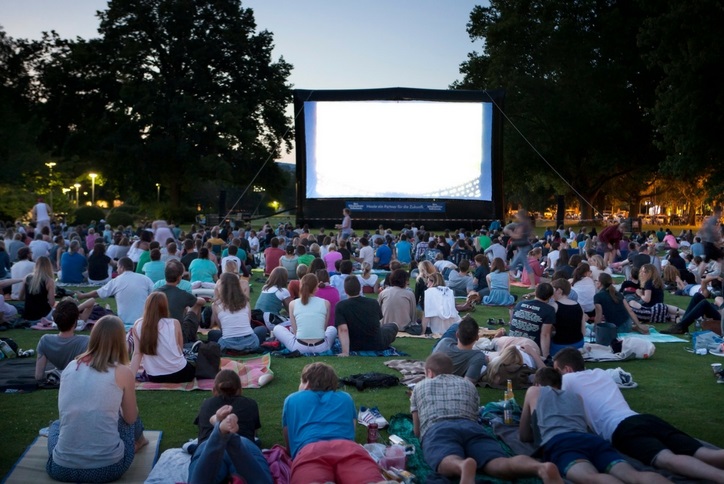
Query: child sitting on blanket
[227,424]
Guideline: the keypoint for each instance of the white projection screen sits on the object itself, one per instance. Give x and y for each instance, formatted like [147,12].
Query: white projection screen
[399,150]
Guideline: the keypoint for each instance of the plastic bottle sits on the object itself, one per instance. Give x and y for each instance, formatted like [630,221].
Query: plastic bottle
[7,350]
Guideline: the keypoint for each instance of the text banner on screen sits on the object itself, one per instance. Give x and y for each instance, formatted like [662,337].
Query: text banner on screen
[423,207]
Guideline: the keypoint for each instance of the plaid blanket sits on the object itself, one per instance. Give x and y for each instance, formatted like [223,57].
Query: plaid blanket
[253,372]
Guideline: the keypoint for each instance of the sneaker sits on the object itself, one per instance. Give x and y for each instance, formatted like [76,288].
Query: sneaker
[720,379]
[80,325]
[673,329]
[370,415]
[190,446]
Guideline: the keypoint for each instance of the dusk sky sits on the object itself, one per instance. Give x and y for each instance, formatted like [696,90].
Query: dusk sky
[331,44]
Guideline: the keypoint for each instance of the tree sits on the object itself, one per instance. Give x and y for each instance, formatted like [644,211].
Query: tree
[576,88]
[684,40]
[174,91]
[18,126]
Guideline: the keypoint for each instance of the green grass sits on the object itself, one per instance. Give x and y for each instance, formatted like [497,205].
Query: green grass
[674,385]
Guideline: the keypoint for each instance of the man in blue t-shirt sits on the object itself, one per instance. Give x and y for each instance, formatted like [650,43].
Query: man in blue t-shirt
[383,255]
[404,250]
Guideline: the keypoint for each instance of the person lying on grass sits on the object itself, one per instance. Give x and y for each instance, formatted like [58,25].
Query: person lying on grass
[319,428]
[645,437]
[556,420]
[454,444]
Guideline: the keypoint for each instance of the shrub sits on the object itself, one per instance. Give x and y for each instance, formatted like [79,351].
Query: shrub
[125,208]
[85,215]
[116,218]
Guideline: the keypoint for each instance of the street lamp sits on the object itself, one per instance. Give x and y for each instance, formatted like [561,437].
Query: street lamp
[77,186]
[158,193]
[93,187]
[50,166]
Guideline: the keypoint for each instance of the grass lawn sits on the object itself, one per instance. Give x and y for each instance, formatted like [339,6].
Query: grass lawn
[674,385]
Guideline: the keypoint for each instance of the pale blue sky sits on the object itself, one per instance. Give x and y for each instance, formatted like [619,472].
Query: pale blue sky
[332,44]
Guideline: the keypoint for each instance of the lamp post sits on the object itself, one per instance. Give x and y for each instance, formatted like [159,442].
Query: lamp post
[50,166]
[93,187]
[77,186]
[158,193]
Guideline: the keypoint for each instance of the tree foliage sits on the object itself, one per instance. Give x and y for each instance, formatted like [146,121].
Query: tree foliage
[173,91]
[684,40]
[577,93]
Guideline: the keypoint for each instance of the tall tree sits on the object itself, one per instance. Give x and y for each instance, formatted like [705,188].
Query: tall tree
[174,91]
[576,93]
[685,41]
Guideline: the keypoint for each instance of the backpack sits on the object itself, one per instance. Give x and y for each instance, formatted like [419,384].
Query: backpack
[208,360]
[370,380]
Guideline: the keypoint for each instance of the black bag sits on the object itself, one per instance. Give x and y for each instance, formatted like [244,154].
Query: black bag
[370,380]
[208,360]
[61,292]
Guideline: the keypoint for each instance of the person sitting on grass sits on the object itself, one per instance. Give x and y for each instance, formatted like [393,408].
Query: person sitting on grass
[498,285]
[308,317]
[274,294]
[612,307]
[460,280]
[319,430]
[454,444]
[158,344]
[645,437]
[62,348]
[182,304]
[97,384]
[231,311]
[556,420]
[227,424]
[358,322]
[38,291]
[397,301]
[129,289]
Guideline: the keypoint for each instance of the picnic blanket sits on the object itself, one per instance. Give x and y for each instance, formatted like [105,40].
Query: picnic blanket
[30,467]
[253,372]
[17,375]
[336,349]
[412,371]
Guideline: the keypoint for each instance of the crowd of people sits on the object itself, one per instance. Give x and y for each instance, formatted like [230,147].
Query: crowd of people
[316,296]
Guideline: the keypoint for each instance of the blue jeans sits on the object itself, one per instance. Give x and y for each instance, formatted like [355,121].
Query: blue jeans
[521,259]
[242,343]
[129,434]
[222,455]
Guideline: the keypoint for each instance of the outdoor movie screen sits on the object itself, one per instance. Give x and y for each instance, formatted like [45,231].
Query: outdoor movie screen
[408,149]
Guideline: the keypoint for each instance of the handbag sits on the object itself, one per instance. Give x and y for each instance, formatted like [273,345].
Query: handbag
[208,360]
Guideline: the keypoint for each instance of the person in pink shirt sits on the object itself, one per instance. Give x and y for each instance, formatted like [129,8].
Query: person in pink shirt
[332,256]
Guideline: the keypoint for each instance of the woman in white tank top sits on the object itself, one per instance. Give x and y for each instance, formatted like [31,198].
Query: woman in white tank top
[158,344]
[308,317]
